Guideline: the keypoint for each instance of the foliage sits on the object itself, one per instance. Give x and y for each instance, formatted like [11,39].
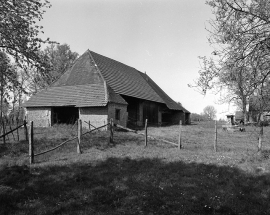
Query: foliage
[210,112]
[19,30]
[198,117]
[8,81]
[60,58]
[239,34]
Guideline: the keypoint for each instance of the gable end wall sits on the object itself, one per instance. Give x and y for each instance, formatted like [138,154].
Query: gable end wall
[123,113]
[98,116]
[41,116]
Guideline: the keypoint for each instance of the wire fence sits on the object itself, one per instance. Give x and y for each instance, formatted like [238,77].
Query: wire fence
[32,155]
[177,138]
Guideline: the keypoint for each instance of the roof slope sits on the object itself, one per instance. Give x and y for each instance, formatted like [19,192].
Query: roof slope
[171,104]
[94,80]
[126,80]
[78,96]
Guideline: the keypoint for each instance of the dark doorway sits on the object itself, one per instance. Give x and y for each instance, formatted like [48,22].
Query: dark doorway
[66,115]
[150,112]
[132,109]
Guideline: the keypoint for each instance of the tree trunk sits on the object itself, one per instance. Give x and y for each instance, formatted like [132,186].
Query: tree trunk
[244,110]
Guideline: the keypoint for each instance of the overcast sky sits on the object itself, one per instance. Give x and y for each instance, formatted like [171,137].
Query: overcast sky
[160,37]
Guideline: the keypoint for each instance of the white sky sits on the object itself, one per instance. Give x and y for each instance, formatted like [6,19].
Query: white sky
[162,38]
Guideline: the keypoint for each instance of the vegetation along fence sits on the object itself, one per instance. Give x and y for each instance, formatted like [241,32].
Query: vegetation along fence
[32,155]
[111,125]
[8,128]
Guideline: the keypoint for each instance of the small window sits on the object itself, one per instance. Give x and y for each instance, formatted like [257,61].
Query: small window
[117,114]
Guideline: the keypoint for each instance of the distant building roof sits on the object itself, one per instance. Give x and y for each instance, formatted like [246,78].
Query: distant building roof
[83,85]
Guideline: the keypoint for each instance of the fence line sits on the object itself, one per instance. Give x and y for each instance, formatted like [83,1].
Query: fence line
[12,131]
[56,147]
[61,144]
[94,129]
[148,136]
[80,134]
[89,124]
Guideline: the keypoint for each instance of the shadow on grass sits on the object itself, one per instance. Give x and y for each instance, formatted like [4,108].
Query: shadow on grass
[125,186]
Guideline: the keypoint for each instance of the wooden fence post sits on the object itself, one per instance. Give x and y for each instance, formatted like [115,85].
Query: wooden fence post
[146,133]
[179,138]
[4,131]
[215,142]
[111,131]
[89,125]
[260,138]
[31,143]
[79,136]
[17,123]
[25,130]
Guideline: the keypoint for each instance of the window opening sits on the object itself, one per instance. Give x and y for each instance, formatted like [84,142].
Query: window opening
[117,114]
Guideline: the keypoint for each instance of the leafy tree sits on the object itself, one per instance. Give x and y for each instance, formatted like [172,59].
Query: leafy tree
[60,58]
[198,117]
[19,30]
[210,112]
[240,36]
[8,80]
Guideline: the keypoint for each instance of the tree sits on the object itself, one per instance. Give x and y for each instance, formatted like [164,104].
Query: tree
[19,30]
[60,58]
[198,117]
[210,112]
[7,82]
[240,36]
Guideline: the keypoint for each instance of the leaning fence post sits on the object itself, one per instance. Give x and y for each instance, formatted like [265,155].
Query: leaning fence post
[111,131]
[145,132]
[31,143]
[215,142]
[179,138]
[25,130]
[89,125]
[79,136]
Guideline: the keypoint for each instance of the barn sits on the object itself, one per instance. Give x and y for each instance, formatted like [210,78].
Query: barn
[96,89]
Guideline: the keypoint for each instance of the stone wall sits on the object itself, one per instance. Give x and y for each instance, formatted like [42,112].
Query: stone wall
[123,113]
[41,116]
[97,116]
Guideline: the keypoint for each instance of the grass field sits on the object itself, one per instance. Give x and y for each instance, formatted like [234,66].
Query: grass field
[127,178]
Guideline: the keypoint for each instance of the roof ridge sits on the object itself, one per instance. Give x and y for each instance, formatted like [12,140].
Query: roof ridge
[113,60]
[66,70]
[105,84]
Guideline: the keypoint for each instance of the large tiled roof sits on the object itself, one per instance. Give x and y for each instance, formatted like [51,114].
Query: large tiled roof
[83,85]
[78,96]
[126,80]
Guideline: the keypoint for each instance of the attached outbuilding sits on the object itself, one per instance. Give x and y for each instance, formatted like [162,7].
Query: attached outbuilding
[96,89]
